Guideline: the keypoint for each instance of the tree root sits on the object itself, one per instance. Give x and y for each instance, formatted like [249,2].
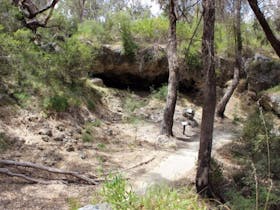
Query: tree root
[44,168]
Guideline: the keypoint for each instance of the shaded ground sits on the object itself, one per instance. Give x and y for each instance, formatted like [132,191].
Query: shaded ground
[119,139]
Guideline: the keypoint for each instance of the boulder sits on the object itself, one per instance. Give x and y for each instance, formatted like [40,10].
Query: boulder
[97,81]
[59,137]
[271,102]
[263,74]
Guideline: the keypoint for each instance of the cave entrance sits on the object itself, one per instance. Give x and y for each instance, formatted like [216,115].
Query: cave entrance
[132,82]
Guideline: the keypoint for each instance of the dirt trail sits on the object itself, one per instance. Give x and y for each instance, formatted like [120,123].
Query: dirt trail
[181,164]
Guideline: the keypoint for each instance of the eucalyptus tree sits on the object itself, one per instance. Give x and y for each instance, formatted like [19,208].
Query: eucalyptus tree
[238,61]
[167,122]
[209,102]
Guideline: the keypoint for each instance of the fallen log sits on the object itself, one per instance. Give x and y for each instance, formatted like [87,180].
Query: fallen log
[34,180]
[44,168]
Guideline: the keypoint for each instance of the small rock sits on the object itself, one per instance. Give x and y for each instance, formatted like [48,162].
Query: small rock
[70,148]
[32,118]
[166,142]
[79,130]
[83,155]
[59,137]
[97,81]
[60,128]
[45,138]
[252,95]
[102,206]
[46,131]
[70,133]
[109,132]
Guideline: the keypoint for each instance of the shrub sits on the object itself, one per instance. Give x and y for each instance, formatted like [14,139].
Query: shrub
[151,29]
[160,93]
[22,97]
[115,193]
[158,197]
[87,137]
[257,136]
[129,46]
[73,203]
[163,197]
[96,123]
[131,104]
[56,103]
[75,60]
[4,144]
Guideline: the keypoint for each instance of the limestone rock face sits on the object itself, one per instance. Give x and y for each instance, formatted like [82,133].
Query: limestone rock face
[263,74]
[149,66]
[271,102]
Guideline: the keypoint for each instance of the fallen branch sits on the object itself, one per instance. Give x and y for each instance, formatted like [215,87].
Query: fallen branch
[49,169]
[9,173]
[132,167]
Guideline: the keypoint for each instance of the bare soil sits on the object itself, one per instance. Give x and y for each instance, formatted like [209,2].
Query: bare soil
[120,140]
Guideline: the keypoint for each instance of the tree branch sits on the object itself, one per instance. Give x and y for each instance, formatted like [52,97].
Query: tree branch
[27,178]
[275,43]
[33,10]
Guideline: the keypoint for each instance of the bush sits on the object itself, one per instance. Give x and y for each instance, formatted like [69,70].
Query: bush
[131,104]
[75,61]
[194,61]
[56,103]
[87,137]
[150,29]
[159,197]
[115,193]
[4,144]
[129,46]
[160,93]
[163,197]
[257,133]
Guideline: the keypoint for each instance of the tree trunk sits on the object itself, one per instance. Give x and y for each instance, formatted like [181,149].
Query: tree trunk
[208,113]
[167,123]
[221,107]
[275,43]
[82,8]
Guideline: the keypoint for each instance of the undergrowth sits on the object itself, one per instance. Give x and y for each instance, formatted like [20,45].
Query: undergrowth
[118,193]
[4,143]
[160,93]
[257,186]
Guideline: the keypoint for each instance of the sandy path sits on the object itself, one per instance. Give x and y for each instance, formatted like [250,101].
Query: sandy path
[181,164]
